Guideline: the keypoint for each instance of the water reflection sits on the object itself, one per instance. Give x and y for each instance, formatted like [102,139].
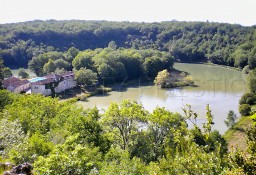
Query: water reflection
[219,87]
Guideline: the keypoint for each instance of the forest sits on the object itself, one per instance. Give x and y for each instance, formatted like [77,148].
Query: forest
[219,43]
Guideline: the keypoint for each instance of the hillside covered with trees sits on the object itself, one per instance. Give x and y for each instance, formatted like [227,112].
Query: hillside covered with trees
[219,43]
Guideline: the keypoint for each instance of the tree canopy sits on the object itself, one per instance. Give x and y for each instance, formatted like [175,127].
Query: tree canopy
[220,43]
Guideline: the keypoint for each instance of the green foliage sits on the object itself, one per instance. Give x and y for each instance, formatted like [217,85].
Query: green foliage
[152,65]
[7,72]
[1,73]
[62,64]
[69,158]
[6,98]
[58,137]
[86,77]
[244,109]
[251,81]
[37,63]
[124,121]
[49,67]
[151,143]
[231,119]
[29,150]
[187,41]
[252,61]
[11,134]
[89,129]
[241,162]
[84,60]
[22,73]
[71,54]
[117,161]
[208,125]
[43,63]
[162,78]
[247,98]
[193,160]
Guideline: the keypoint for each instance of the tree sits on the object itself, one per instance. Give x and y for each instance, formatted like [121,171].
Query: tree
[37,63]
[7,72]
[71,54]
[156,63]
[31,148]
[251,81]
[162,78]
[160,126]
[22,73]
[112,45]
[70,158]
[84,60]
[62,64]
[231,119]
[1,72]
[124,121]
[49,67]
[252,61]
[86,77]
[6,98]
[11,135]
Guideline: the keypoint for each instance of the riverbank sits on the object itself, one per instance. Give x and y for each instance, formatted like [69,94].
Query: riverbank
[236,136]
[224,66]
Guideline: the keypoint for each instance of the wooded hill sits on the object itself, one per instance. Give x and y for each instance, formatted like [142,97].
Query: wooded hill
[232,45]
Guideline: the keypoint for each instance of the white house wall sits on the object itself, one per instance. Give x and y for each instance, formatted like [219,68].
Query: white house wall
[65,84]
[22,88]
[40,89]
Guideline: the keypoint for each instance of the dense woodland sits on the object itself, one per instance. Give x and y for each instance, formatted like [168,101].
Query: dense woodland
[226,44]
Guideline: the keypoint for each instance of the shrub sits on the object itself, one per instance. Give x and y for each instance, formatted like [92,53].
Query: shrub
[83,97]
[248,98]
[245,109]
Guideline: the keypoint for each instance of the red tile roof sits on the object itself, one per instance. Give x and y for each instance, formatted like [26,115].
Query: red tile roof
[15,82]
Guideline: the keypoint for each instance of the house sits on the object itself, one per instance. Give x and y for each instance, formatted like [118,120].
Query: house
[56,83]
[16,85]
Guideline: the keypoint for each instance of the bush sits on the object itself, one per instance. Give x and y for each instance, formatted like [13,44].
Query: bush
[103,90]
[82,97]
[248,98]
[245,109]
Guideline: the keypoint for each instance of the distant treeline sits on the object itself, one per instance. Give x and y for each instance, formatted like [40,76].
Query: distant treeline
[232,45]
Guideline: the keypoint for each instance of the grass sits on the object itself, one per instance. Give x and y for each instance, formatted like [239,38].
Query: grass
[236,136]
[219,65]
[16,71]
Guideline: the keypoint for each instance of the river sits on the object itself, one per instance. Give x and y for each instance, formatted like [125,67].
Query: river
[219,87]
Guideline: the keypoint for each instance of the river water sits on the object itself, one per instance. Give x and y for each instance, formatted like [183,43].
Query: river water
[219,87]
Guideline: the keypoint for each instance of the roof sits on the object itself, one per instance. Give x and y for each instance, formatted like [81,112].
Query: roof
[53,76]
[32,80]
[68,73]
[50,78]
[43,82]
[15,82]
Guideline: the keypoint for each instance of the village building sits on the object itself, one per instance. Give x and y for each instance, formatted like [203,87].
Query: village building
[16,85]
[53,83]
